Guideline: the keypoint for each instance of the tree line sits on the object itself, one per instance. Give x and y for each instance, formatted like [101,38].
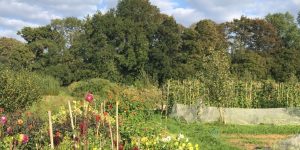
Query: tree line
[136,42]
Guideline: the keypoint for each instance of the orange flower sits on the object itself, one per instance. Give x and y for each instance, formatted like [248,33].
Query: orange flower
[105,113]
[28,113]
[20,122]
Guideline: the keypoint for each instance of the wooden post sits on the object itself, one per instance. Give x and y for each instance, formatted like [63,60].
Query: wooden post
[71,117]
[111,135]
[117,123]
[51,130]
[168,92]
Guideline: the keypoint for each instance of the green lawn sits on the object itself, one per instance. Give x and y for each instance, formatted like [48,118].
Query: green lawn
[230,137]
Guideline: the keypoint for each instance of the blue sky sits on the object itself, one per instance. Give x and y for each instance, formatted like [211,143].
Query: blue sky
[16,14]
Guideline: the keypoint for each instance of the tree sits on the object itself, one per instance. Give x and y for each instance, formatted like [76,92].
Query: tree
[164,50]
[215,63]
[247,64]
[15,54]
[285,60]
[251,40]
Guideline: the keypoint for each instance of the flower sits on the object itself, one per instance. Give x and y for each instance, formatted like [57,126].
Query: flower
[180,136]
[166,139]
[105,113]
[110,106]
[144,139]
[57,138]
[23,138]
[89,97]
[83,127]
[20,122]
[98,118]
[9,130]
[3,120]
[135,148]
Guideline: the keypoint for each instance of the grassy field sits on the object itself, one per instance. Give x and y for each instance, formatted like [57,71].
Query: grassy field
[231,137]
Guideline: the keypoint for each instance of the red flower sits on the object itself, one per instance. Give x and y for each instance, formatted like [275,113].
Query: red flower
[121,147]
[98,118]
[110,106]
[89,97]
[57,138]
[83,127]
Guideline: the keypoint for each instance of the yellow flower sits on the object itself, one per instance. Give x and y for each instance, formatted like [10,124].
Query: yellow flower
[144,139]
[196,147]
[183,144]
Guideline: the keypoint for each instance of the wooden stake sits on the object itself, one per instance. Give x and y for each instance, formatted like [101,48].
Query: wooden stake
[111,135]
[51,130]
[117,124]
[71,117]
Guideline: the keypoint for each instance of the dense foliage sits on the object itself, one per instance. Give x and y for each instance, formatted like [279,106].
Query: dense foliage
[18,90]
[135,42]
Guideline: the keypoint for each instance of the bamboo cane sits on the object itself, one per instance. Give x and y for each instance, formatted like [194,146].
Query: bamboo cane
[117,124]
[71,117]
[51,130]
[111,135]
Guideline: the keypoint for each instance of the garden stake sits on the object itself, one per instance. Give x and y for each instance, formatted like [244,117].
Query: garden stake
[111,135]
[51,130]
[117,124]
[71,117]
[86,126]
[72,123]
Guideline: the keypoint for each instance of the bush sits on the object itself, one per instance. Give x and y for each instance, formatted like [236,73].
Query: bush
[18,90]
[98,86]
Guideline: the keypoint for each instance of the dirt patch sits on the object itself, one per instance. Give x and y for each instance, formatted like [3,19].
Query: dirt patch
[252,141]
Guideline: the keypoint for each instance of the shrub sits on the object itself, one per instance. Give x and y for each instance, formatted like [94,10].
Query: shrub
[18,90]
[97,85]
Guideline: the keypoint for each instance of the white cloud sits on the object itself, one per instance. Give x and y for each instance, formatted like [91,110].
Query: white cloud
[15,14]
[15,24]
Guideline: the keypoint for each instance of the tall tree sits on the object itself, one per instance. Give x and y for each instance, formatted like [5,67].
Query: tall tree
[15,54]
[285,60]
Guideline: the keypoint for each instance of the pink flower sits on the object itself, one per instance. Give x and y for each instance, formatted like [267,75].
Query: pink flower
[89,97]
[3,120]
[23,138]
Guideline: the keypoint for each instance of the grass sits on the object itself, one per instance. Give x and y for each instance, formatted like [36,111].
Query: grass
[215,136]
[52,103]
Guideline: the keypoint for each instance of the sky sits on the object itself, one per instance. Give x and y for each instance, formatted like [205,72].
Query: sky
[16,14]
